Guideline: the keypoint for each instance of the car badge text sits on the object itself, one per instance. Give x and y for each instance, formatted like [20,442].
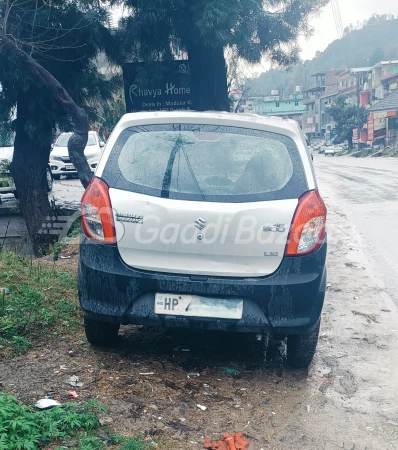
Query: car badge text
[130,218]
[277,228]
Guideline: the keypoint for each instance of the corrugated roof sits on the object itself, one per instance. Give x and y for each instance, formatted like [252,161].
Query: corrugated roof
[389,103]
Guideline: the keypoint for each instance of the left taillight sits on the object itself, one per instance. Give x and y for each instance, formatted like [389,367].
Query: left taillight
[97,216]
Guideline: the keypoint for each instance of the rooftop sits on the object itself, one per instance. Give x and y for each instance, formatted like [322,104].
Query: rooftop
[321,73]
[384,63]
[389,103]
[361,69]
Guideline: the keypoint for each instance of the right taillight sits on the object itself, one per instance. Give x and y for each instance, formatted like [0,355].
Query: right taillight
[97,216]
[307,232]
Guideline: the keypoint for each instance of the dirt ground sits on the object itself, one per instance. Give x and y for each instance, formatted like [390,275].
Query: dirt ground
[154,379]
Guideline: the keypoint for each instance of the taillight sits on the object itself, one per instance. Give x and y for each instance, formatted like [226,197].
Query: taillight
[97,216]
[308,228]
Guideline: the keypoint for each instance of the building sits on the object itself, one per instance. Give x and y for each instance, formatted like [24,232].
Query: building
[382,80]
[318,99]
[383,120]
[291,107]
[352,82]
[273,105]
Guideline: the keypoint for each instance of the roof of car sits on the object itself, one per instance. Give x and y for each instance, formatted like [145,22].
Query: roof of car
[235,119]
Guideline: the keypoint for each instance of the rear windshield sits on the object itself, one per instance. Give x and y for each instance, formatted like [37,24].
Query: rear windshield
[64,139]
[206,163]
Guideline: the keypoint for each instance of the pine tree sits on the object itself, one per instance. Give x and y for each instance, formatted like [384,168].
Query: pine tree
[64,38]
[205,28]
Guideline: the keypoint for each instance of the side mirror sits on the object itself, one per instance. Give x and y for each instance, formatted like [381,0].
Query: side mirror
[52,145]
[102,144]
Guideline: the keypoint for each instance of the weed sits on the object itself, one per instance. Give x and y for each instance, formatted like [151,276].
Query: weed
[40,299]
[136,443]
[22,428]
[75,228]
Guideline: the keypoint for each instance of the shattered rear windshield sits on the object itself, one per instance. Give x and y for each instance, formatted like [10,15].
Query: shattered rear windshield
[206,163]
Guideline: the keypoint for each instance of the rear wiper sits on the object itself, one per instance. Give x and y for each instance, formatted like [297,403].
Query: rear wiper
[169,169]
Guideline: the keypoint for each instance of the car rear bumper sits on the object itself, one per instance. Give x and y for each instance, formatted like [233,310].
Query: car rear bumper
[287,302]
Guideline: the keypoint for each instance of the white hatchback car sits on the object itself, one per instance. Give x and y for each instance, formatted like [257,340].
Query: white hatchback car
[205,220]
[60,161]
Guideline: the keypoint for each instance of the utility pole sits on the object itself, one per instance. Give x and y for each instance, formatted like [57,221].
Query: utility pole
[358,106]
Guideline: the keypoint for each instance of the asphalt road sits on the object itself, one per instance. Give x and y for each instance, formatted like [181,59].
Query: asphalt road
[366,190]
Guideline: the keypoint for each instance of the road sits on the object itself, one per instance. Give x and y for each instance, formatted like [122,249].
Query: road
[367,190]
[347,400]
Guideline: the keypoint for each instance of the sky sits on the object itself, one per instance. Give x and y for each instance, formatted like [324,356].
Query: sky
[351,11]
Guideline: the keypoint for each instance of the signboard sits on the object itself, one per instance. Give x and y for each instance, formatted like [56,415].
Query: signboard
[355,136]
[371,128]
[157,86]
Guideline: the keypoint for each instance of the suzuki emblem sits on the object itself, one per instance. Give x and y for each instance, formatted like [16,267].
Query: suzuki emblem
[200,223]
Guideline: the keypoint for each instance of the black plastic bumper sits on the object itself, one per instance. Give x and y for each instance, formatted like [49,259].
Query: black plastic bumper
[287,302]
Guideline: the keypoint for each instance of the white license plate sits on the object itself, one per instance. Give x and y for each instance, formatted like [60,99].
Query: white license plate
[70,167]
[197,306]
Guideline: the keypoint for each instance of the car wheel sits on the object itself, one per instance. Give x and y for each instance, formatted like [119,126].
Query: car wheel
[100,334]
[57,177]
[301,347]
[49,177]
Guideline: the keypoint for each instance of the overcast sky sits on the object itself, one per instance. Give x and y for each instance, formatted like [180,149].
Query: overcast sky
[351,12]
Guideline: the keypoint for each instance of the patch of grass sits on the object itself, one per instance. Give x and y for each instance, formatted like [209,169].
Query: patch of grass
[75,228]
[23,428]
[37,300]
[136,443]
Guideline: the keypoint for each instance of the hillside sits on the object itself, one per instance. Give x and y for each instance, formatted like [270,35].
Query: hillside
[358,48]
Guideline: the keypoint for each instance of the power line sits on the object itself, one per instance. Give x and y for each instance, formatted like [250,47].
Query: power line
[337,18]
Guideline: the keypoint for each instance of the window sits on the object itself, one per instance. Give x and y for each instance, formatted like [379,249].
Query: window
[277,104]
[63,140]
[206,163]
[296,103]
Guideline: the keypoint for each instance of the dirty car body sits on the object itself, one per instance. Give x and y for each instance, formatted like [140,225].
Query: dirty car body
[203,220]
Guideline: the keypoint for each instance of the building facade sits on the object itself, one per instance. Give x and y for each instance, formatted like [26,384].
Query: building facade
[316,119]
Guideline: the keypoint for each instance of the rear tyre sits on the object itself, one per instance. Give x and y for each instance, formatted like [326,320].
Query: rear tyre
[100,334]
[301,347]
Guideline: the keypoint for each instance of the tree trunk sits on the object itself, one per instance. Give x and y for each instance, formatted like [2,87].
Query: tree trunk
[208,78]
[28,169]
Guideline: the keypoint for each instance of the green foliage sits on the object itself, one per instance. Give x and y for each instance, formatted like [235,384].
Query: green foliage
[136,443]
[347,117]
[40,299]
[23,428]
[254,28]
[358,48]
[66,38]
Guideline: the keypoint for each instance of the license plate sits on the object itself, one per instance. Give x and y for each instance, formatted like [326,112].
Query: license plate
[70,167]
[197,306]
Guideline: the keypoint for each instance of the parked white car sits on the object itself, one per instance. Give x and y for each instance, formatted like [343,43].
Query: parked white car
[60,161]
[334,150]
[205,220]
